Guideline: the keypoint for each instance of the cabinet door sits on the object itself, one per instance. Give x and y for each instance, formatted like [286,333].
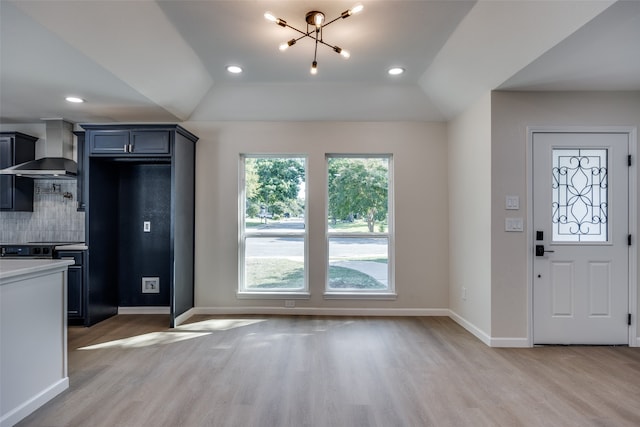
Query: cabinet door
[74,291]
[109,142]
[150,142]
[6,181]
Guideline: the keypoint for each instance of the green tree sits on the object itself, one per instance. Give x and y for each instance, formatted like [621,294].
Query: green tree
[273,183]
[359,188]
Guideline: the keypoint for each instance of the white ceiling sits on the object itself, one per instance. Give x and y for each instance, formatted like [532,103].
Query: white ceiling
[164,61]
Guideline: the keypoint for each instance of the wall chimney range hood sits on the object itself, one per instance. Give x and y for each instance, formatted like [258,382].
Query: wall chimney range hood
[58,163]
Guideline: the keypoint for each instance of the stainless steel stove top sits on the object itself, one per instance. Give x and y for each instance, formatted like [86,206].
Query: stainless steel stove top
[31,249]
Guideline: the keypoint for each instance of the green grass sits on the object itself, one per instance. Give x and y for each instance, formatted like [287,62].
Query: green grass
[252,223]
[274,273]
[357,226]
[346,278]
[280,273]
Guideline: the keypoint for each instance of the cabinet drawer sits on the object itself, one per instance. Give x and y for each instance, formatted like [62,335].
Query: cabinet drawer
[109,142]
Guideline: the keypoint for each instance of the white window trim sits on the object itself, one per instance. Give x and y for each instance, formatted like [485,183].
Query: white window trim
[375,294]
[241,291]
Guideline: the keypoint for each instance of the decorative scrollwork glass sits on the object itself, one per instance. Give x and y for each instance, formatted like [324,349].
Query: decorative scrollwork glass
[580,195]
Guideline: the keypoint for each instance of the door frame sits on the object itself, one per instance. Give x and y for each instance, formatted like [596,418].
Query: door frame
[634,340]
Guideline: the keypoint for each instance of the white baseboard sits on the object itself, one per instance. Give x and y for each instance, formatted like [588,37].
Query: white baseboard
[184,317]
[315,311]
[510,343]
[473,329]
[14,416]
[143,310]
[486,338]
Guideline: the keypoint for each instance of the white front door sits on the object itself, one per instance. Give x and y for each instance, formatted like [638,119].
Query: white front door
[580,234]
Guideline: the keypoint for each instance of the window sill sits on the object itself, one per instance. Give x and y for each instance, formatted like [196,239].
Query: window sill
[361,295]
[273,295]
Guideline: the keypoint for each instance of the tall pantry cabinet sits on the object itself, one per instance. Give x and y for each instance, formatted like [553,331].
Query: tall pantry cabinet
[139,194]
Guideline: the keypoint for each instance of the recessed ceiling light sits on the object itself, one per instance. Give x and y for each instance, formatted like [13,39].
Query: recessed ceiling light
[234,69]
[74,99]
[395,71]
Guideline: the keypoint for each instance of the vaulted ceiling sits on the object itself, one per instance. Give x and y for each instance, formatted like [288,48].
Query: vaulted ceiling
[165,61]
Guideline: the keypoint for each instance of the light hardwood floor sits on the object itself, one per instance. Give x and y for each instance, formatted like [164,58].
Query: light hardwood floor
[332,371]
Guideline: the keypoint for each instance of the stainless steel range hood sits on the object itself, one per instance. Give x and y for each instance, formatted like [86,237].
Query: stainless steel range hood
[58,163]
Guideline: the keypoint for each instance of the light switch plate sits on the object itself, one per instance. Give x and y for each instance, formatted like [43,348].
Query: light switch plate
[146,226]
[512,203]
[513,224]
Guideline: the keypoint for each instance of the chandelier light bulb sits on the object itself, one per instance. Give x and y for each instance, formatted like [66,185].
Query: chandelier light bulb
[318,19]
[345,53]
[355,9]
[314,68]
[270,17]
[284,46]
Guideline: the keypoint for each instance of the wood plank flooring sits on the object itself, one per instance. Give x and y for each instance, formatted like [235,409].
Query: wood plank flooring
[332,371]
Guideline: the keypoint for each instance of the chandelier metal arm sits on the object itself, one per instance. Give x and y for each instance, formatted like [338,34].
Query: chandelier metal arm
[300,31]
[332,21]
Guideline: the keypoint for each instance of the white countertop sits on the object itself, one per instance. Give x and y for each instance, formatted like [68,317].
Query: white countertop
[17,267]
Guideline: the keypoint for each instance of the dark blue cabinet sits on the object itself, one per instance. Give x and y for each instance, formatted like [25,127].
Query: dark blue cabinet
[76,295]
[135,175]
[16,192]
[118,142]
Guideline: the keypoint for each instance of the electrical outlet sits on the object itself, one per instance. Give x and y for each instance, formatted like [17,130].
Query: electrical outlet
[464,294]
[150,285]
[289,303]
[146,226]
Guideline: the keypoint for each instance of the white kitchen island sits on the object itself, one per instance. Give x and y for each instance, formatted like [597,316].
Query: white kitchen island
[33,335]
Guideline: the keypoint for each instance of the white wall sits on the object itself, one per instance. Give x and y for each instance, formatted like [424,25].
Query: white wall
[421,205]
[469,171]
[512,113]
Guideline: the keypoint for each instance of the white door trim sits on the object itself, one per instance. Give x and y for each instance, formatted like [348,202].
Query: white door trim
[634,340]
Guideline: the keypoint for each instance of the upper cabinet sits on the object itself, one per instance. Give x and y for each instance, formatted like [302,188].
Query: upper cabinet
[130,142]
[16,192]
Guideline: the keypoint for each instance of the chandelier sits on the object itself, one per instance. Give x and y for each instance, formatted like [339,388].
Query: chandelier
[315,26]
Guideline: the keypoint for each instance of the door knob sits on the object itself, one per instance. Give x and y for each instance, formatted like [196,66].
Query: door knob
[540,250]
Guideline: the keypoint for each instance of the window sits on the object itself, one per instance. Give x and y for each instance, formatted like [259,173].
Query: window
[580,195]
[273,236]
[359,226]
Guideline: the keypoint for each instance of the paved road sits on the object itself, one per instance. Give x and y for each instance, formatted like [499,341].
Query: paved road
[291,246]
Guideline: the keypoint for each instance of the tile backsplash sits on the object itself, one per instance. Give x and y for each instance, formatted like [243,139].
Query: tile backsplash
[54,216]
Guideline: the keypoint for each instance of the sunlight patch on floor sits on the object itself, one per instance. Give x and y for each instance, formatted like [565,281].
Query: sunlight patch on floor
[219,324]
[147,340]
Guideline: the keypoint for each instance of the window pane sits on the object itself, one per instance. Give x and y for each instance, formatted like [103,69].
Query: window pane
[274,263]
[358,263]
[579,203]
[358,194]
[273,224]
[274,192]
